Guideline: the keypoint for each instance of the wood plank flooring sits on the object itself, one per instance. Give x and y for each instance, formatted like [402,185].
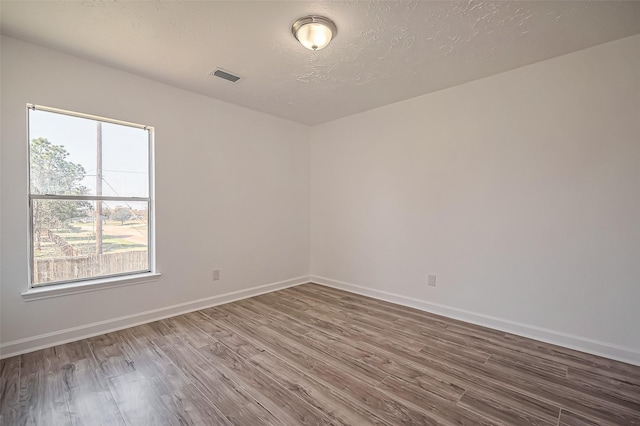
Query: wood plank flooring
[313,355]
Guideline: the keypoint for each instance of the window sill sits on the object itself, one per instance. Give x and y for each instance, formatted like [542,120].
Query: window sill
[84,287]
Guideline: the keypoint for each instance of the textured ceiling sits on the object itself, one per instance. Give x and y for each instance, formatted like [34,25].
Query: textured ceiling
[385,51]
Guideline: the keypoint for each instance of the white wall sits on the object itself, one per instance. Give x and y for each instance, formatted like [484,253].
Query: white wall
[521,192]
[232,191]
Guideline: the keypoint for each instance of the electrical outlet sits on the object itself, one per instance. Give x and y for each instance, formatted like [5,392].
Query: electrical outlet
[431,280]
[216,274]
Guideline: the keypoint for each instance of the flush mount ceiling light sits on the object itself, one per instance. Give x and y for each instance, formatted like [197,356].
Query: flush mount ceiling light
[314,32]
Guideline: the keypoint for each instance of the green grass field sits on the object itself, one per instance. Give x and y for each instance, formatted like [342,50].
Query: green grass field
[116,237]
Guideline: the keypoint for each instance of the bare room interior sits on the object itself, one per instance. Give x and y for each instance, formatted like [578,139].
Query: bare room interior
[320,212]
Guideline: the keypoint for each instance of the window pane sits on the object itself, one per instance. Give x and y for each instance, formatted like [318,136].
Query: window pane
[125,161]
[68,244]
[65,156]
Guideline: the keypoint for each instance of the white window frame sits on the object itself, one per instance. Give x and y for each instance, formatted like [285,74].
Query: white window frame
[62,287]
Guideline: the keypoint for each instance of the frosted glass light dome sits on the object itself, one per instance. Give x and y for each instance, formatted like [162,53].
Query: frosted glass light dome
[314,32]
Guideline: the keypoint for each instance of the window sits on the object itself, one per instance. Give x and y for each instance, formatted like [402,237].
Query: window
[90,197]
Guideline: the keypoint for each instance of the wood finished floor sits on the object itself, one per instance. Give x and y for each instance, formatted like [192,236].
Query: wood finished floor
[314,355]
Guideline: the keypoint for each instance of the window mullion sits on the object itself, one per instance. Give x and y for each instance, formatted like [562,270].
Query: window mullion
[85,197]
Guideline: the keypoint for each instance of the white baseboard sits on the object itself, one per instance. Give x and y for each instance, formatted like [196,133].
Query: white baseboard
[608,350]
[604,349]
[30,344]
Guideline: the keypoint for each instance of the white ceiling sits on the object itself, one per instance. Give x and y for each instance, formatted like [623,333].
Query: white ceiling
[385,51]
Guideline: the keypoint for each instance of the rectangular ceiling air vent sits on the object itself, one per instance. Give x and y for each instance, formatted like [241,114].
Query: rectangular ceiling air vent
[225,75]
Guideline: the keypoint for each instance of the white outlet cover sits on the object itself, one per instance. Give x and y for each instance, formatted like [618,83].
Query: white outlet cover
[216,274]
[431,280]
